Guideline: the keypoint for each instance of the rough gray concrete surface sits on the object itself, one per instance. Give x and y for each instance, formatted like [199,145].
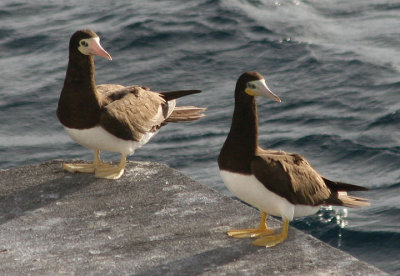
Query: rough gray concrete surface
[152,221]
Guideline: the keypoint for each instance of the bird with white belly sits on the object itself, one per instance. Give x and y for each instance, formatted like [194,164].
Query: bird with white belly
[276,182]
[111,117]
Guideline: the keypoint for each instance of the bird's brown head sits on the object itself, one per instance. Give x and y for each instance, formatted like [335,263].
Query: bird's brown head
[87,42]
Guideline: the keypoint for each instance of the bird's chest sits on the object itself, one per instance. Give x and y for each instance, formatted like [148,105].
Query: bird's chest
[78,110]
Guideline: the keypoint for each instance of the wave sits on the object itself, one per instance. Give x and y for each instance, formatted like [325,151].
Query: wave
[332,227]
[389,120]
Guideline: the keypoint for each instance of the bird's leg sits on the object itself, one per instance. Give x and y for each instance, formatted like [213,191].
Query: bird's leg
[111,172]
[272,240]
[84,167]
[98,163]
[262,230]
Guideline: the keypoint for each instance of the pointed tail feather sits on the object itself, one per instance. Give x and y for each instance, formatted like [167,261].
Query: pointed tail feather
[185,114]
[340,186]
[341,198]
[171,95]
[352,201]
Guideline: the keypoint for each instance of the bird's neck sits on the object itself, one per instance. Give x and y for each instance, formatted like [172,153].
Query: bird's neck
[81,74]
[242,141]
[244,126]
[79,104]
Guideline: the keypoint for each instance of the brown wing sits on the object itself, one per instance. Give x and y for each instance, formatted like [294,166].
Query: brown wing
[291,176]
[132,111]
[111,92]
[106,89]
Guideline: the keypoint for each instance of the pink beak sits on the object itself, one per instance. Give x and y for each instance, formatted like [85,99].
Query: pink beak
[96,49]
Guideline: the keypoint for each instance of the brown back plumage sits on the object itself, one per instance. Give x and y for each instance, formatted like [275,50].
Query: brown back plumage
[130,112]
[291,176]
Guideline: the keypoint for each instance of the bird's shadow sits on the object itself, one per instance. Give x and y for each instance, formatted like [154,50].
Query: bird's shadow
[18,203]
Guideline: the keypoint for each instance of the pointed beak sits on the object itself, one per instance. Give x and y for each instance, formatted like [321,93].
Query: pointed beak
[264,91]
[96,49]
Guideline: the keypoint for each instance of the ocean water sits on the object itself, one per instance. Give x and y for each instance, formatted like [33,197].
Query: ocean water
[335,64]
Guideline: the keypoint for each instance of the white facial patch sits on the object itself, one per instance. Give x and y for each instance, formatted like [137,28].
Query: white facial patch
[84,44]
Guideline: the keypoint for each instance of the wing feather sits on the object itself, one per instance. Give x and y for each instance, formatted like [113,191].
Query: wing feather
[290,176]
[132,111]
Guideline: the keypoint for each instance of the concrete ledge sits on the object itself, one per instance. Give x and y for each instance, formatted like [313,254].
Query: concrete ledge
[153,221]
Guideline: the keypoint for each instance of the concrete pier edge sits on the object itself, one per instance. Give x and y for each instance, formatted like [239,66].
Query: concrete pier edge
[152,221]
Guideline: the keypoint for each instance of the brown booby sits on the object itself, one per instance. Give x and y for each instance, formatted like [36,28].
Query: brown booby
[111,117]
[276,182]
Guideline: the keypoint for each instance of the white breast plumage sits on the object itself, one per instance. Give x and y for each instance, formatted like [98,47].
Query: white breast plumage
[253,192]
[99,138]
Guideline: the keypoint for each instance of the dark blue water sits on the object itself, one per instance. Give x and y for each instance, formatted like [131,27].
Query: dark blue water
[335,65]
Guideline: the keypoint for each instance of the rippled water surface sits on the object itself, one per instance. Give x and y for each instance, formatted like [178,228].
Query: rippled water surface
[335,65]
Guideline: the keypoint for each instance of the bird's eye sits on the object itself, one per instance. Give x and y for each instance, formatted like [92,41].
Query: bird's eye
[251,85]
[84,43]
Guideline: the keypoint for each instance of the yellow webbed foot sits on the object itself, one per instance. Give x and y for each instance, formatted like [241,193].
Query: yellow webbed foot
[87,167]
[82,168]
[111,172]
[262,230]
[270,241]
[104,166]
[249,233]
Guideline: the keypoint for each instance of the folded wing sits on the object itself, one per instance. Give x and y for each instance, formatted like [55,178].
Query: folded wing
[131,112]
